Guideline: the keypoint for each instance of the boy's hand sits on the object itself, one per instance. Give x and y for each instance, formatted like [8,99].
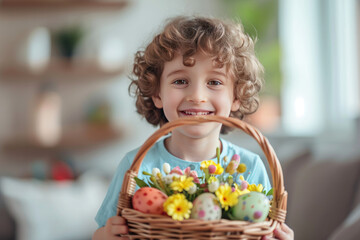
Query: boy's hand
[115,226]
[282,232]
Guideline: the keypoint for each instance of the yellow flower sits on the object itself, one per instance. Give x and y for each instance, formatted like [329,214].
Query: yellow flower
[182,183]
[254,188]
[226,196]
[239,191]
[172,198]
[205,165]
[178,207]
[241,168]
[219,169]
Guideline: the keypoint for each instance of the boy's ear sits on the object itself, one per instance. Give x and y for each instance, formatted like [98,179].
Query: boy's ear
[157,101]
[235,105]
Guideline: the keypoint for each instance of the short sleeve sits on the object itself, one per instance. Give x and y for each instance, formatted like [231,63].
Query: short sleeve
[108,206]
[259,174]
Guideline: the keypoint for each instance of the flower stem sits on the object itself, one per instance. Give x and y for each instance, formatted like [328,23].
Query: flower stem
[218,155]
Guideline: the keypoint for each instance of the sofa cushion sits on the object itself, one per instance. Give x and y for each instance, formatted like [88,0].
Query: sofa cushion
[291,168]
[322,198]
[350,228]
[46,210]
[7,223]
[356,202]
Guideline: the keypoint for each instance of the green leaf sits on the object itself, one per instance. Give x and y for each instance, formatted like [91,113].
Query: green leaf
[140,182]
[152,185]
[270,192]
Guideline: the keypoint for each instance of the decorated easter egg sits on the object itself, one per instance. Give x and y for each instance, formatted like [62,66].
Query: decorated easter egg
[149,200]
[206,207]
[252,207]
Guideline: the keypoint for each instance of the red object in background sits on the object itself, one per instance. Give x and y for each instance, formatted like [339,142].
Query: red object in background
[60,171]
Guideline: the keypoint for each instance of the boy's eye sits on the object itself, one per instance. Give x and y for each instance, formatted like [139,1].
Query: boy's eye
[214,82]
[180,82]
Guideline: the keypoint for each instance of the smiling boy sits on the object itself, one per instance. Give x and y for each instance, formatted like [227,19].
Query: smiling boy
[195,66]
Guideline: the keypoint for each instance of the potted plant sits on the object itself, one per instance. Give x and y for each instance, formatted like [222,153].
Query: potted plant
[67,39]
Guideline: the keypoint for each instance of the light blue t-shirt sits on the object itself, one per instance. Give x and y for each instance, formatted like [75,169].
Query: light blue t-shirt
[158,155]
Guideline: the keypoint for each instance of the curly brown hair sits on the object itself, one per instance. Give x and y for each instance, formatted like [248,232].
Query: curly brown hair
[224,40]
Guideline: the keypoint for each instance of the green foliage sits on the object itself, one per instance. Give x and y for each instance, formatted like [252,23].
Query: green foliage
[260,20]
[67,39]
[140,182]
[269,193]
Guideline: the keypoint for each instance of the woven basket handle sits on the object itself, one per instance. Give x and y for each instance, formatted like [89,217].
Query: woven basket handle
[278,208]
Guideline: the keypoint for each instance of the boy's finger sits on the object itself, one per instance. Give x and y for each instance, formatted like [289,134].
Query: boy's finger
[118,220]
[287,231]
[119,238]
[280,234]
[119,229]
[286,228]
[124,238]
[283,232]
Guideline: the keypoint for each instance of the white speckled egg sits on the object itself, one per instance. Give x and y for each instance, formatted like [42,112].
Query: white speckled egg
[206,207]
[252,207]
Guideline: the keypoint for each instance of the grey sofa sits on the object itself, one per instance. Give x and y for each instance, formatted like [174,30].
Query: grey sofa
[324,197]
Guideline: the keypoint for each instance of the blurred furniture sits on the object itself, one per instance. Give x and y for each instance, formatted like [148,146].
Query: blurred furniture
[25,204]
[61,71]
[324,197]
[44,210]
[24,5]
[82,137]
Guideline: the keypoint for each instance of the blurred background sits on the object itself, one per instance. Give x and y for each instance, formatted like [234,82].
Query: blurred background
[66,118]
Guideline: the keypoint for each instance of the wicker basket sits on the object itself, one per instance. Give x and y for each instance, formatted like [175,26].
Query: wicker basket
[149,226]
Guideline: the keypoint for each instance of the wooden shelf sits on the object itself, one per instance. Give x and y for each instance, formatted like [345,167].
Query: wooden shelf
[29,5]
[78,138]
[59,70]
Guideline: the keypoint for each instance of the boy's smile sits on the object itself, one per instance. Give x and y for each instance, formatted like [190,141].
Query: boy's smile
[201,89]
[194,112]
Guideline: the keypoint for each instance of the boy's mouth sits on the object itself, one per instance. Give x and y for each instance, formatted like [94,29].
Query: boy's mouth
[196,113]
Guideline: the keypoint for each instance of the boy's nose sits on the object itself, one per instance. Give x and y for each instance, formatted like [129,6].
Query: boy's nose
[196,95]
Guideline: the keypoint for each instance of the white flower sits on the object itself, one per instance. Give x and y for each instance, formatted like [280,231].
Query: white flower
[168,179]
[192,189]
[155,171]
[213,186]
[166,168]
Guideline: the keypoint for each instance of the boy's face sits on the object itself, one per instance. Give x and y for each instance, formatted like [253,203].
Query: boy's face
[201,89]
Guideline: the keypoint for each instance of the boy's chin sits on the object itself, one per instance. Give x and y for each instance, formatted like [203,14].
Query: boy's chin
[202,130]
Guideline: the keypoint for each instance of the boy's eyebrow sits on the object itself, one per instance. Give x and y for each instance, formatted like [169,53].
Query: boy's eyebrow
[218,72]
[180,71]
[174,72]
